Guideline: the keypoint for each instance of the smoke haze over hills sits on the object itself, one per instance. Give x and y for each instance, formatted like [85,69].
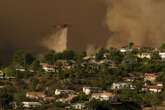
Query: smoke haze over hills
[24,24]
[138,21]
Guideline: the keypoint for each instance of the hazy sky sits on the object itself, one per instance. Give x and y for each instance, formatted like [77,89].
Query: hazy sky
[24,23]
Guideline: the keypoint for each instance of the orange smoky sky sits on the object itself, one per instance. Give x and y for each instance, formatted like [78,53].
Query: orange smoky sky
[24,23]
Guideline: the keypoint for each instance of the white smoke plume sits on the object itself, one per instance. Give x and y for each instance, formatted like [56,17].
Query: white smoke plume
[90,50]
[57,41]
[138,21]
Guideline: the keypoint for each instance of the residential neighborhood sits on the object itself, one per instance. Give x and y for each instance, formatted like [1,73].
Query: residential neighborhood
[72,81]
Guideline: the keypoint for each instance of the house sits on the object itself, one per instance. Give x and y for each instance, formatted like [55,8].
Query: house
[35,95]
[89,90]
[47,67]
[156,88]
[104,96]
[122,85]
[144,55]
[62,92]
[87,58]
[105,61]
[129,79]
[125,49]
[160,84]
[101,62]
[62,64]
[21,69]
[31,104]
[78,106]
[48,99]
[31,70]
[2,86]
[106,55]
[65,64]
[67,99]
[2,75]
[150,76]
[86,90]
[162,55]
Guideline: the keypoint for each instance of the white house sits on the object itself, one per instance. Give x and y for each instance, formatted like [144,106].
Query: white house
[124,50]
[60,92]
[35,95]
[144,55]
[129,79]
[155,89]
[78,106]
[119,85]
[86,90]
[1,87]
[2,75]
[21,69]
[89,90]
[162,55]
[31,104]
[104,96]
[47,67]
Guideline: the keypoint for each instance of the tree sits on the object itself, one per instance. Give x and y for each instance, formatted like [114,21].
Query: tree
[59,104]
[162,47]
[130,45]
[29,59]
[130,62]
[68,55]
[20,96]
[22,59]
[155,56]
[100,54]
[161,78]
[99,105]
[36,65]
[80,56]
[116,56]
[138,84]
[152,99]
[9,71]
[81,98]
[50,57]
[5,99]
[34,83]
[19,58]
[130,95]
